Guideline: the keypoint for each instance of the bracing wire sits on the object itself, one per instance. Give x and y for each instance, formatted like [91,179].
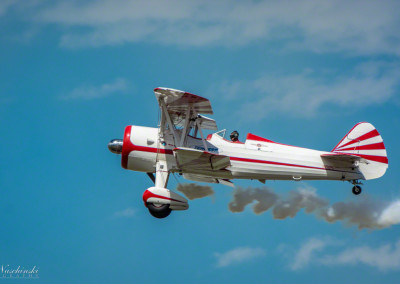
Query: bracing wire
[159,133]
[176,178]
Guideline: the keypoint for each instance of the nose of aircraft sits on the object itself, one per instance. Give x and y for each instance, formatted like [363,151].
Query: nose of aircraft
[115,146]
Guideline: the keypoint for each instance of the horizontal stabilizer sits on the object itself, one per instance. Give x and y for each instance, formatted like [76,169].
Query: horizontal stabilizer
[343,160]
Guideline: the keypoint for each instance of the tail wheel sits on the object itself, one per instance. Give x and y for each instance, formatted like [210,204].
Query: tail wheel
[159,210]
[356,189]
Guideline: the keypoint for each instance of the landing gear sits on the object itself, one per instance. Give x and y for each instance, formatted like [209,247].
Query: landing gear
[356,190]
[159,210]
[159,200]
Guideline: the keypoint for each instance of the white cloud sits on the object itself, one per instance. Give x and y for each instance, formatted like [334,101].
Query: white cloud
[126,213]
[238,255]
[357,27]
[119,85]
[306,252]
[303,95]
[385,257]
[313,252]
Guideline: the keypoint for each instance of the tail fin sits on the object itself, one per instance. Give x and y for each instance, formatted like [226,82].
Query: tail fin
[364,140]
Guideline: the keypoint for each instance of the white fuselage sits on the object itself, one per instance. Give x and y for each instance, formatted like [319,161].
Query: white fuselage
[257,158]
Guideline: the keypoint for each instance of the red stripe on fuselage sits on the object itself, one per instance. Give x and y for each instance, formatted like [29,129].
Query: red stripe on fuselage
[170,152]
[152,150]
[253,137]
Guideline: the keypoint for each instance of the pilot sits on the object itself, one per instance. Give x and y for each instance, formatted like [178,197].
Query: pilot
[234,136]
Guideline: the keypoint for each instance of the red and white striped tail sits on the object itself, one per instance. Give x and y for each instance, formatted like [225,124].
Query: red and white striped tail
[365,141]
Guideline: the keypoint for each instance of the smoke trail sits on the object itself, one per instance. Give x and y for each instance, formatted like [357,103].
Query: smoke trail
[302,198]
[241,197]
[365,213]
[194,191]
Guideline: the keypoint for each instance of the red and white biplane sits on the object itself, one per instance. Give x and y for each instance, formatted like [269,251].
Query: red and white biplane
[178,145]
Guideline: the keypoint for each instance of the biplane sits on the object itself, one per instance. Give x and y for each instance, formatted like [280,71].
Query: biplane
[179,145]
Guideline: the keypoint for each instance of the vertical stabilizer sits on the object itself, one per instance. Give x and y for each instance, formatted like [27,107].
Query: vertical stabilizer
[364,140]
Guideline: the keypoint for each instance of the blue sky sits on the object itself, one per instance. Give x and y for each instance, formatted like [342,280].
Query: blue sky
[75,73]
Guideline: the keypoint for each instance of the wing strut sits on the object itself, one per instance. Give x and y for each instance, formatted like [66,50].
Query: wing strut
[171,125]
[185,127]
[202,136]
[180,110]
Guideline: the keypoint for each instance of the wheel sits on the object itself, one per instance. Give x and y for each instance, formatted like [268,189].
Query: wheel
[356,189]
[159,210]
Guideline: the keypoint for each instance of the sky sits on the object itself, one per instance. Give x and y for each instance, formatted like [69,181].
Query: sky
[75,73]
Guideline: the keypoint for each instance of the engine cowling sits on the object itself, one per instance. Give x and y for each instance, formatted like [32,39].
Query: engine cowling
[159,195]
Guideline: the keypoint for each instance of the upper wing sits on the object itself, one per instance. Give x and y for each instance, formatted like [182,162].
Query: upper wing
[182,105]
[199,161]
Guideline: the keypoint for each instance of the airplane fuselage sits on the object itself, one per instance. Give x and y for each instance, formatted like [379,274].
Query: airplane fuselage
[256,158]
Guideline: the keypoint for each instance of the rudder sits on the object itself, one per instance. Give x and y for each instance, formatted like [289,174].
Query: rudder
[364,140]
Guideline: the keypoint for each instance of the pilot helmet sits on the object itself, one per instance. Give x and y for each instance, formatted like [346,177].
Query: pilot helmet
[234,136]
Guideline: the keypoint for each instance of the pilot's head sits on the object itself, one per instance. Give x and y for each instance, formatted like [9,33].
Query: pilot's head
[234,136]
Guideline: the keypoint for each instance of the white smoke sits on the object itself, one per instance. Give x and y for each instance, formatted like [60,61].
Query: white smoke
[390,215]
[364,213]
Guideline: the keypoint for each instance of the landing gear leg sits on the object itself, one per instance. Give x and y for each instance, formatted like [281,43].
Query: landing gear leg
[160,180]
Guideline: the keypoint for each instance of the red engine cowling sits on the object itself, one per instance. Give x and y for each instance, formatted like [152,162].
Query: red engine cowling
[139,148]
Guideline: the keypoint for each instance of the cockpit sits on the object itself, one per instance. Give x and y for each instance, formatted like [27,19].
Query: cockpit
[233,137]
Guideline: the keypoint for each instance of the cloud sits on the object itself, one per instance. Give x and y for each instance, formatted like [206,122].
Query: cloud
[119,85]
[305,94]
[356,27]
[385,257]
[126,213]
[365,212]
[304,255]
[238,255]
[195,191]
[390,215]
[314,252]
